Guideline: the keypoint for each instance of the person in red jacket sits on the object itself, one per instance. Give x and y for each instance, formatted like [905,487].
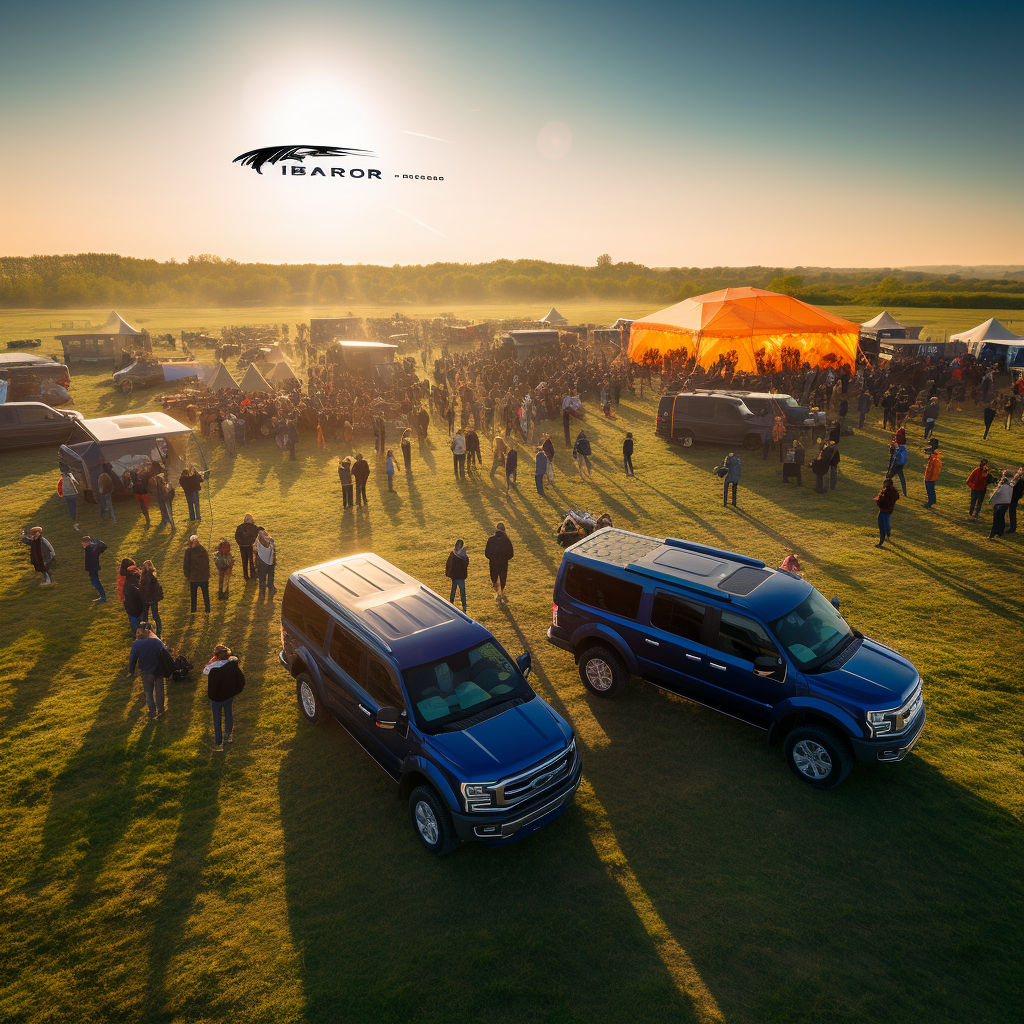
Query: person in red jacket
[978,482]
[886,502]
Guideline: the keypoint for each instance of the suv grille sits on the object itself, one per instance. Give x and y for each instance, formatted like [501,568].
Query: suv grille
[536,780]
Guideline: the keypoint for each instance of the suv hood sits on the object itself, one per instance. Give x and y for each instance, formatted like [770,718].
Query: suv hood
[504,744]
[875,677]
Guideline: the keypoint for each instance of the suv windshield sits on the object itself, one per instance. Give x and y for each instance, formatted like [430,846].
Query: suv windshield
[813,631]
[462,685]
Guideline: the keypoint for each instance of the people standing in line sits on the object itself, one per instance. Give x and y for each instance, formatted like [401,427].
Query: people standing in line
[627,454]
[105,491]
[932,469]
[68,489]
[458,447]
[245,536]
[978,482]
[126,566]
[40,553]
[191,482]
[473,454]
[886,501]
[224,682]
[389,468]
[732,476]
[93,549]
[549,451]
[1000,502]
[898,458]
[266,559]
[511,467]
[345,476]
[134,606]
[224,560]
[1018,490]
[361,473]
[406,447]
[196,566]
[581,452]
[499,552]
[541,470]
[152,593]
[863,407]
[990,416]
[145,655]
[457,569]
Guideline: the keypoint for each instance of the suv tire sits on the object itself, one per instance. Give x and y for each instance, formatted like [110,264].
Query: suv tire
[752,442]
[602,671]
[818,755]
[432,822]
[685,438]
[309,701]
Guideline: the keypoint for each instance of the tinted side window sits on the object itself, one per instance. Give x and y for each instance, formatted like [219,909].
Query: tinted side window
[32,414]
[743,638]
[347,653]
[684,618]
[7,416]
[602,591]
[726,411]
[664,406]
[379,685]
[305,615]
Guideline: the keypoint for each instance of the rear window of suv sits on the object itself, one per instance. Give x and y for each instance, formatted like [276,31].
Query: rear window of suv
[599,590]
[305,615]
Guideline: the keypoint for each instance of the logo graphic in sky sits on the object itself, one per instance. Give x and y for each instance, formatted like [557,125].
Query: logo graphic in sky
[256,158]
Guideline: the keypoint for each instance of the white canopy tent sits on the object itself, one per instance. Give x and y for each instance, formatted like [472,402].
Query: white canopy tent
[554,317]
[1001,342]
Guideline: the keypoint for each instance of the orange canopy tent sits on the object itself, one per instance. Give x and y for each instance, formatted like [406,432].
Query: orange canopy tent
[749,322]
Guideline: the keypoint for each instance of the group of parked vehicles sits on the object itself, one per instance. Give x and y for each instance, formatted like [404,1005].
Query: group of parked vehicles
[450,716]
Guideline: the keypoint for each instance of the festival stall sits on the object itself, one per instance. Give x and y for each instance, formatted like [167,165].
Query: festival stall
[107,342]
[992,341]
[748,324]
[219,378]
[254,381]
[279,373]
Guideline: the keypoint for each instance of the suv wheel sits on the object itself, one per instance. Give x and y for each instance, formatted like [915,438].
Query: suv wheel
[818,755]
[309,703]
[602,671]
[752,442]
[432,821]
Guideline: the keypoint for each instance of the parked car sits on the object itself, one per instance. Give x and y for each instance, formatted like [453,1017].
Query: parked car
[146,372]
[726,631]
[29,424]
[432,697]
[32,378]
[709,416]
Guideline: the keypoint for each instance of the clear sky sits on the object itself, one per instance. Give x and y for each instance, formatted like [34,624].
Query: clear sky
[670,134]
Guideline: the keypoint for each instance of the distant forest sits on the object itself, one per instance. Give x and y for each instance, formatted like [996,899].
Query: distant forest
[97,279]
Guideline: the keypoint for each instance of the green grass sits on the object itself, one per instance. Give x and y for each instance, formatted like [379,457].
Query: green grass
[146,878]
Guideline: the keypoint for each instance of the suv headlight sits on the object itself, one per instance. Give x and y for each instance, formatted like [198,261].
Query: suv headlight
[476,795]
[881,722]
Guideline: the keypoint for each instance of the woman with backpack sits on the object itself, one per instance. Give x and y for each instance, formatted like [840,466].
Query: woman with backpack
[898,458]
[224,682]
[152,594]
[457,570]
[225,561]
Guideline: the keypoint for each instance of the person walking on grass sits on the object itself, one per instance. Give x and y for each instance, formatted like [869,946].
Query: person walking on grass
[105,491]
[1000,502]
[732,476]
[627,453]
[511,467]
[266,559]
[152,594]
[40,553]
[541,470]
[196,567]
[863,407]
[246,533]
[990,416]
[93,549]
[458,447]
[932,469]
[191,482]
[898,458]
[225,562]
[145,655]
[389,468]
[473,454]
[68,489]
[549,451]
[457,570]
[978,482]
[499,552]
[224,682]
[361,473]
[134,606]
[581,452]
[886,501]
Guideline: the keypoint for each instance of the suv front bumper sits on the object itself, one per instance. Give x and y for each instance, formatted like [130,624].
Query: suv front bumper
[518,823]
[893,748]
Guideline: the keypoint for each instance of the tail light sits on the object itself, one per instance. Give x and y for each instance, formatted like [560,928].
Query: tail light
[554,614]
[282,636]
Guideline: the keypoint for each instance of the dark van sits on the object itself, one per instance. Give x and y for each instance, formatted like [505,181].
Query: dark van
[725,631]
[432,697]
[715,417]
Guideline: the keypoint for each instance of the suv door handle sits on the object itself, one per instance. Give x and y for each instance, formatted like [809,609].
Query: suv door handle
[693,657]
[721,668]
[365,710]
[653,643]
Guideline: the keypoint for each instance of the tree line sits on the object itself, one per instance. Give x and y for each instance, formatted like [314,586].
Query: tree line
[103,279]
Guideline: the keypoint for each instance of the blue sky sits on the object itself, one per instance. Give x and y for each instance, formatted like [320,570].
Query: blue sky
[667,134]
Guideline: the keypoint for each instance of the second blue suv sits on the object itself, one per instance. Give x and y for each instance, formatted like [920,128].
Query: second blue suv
[759,644]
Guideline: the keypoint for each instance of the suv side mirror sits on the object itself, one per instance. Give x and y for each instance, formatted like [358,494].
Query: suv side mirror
[387,718]
[525,663]
[765,666]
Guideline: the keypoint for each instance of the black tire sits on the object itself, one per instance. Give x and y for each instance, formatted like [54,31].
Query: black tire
[752,442]
[431,821]
[602,671]
[818,755]
[310,706]
[685,439]
[126,387]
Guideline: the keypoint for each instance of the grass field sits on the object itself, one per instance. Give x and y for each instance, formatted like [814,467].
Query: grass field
[146,878]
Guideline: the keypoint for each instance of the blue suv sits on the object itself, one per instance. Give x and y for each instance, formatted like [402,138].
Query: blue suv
[432,697]
[725,631]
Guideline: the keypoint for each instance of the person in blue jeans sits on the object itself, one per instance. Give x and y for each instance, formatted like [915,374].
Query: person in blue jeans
[224,682]
[134,606]
[69,490]
[732,476]
[886,502]
[457,570]
[93,549]
[191,481]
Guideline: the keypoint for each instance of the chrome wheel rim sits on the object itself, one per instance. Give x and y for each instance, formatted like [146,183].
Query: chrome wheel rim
[599,674]
[426,823]
[308,699]
[812,759]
